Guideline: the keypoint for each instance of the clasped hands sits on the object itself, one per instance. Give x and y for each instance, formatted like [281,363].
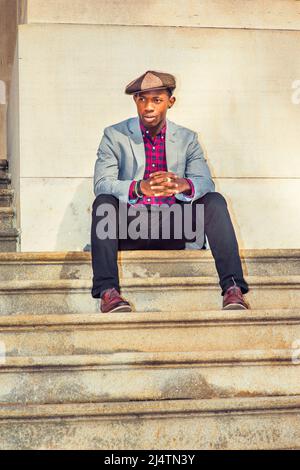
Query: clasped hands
[164,183]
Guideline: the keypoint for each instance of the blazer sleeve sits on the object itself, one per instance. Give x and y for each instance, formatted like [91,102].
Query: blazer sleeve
[197,171]
[106,169]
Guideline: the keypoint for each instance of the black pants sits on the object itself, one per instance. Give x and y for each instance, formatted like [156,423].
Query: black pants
[217,227]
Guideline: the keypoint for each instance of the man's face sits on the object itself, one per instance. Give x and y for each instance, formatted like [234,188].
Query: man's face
[152,106]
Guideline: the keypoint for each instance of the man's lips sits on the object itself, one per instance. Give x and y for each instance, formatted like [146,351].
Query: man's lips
[149,118]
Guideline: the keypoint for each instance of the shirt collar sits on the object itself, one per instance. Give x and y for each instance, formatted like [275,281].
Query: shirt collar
[162,132]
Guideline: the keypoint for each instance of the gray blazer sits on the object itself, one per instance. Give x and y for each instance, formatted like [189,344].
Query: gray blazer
[121,159]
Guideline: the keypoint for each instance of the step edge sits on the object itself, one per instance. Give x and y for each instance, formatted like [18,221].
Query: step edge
[150,255]
[217,358]
[183,282]
[153,408]
[7,211]
[139,319]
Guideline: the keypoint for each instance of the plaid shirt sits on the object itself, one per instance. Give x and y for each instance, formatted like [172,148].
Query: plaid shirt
[155,151]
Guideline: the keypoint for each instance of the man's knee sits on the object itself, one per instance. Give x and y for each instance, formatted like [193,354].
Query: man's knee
[105,199]
[214,198]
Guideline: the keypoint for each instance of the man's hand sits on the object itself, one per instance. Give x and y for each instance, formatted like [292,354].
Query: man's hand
[160,183]
[167,183]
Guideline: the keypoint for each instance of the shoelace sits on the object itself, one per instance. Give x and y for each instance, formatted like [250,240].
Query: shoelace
[234,289]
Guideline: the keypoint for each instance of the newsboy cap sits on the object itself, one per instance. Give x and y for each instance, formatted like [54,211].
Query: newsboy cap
[151,80]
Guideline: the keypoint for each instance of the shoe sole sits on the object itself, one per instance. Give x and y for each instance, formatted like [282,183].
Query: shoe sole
[121,308]
[235,307]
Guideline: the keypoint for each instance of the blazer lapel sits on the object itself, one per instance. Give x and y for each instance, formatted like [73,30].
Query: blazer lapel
[171,147]
[137,144]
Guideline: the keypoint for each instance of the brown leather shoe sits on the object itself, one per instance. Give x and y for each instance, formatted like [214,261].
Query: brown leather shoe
[233,299]
[111,301]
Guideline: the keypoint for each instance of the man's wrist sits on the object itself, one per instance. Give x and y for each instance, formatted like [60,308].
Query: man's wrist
[138,189]
[188,189]
[141,187]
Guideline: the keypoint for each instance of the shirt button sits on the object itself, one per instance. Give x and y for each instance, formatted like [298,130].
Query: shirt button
[153,164]
[148,200]
[153,148]
[147,132]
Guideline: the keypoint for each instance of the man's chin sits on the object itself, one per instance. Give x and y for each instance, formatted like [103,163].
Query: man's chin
[147,123]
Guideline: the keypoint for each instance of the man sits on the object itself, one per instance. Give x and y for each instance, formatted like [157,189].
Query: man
[146,162]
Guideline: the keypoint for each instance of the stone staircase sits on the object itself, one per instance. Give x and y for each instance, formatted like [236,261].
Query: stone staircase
[178,373]
[8,233]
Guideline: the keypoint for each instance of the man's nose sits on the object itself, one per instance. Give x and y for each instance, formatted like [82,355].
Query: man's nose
[149,106]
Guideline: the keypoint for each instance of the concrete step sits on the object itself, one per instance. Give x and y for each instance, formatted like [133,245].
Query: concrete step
[8,241]
[6,197]
[148,376]
[7,218]
[185,331]
[5,179]
[163,294]
[144,264]
[235,423]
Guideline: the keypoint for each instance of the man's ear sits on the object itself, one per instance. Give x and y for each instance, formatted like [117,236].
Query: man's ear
[171,101]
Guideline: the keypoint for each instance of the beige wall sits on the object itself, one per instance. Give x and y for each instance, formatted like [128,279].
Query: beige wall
[271,14]
[238,97]
[234,89]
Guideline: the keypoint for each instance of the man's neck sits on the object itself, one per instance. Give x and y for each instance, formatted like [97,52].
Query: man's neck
[153,131]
